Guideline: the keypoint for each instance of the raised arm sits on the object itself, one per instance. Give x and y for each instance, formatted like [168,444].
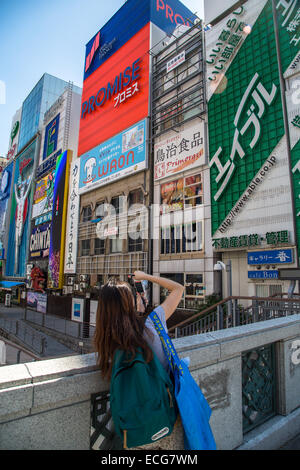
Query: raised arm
[175,290]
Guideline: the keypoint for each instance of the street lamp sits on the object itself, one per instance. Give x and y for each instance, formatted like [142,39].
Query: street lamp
[219,266]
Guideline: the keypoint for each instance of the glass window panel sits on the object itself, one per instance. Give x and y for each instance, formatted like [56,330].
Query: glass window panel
[99,246]
[116,245]
[85,247]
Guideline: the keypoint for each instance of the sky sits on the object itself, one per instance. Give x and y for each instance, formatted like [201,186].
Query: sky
[38,36]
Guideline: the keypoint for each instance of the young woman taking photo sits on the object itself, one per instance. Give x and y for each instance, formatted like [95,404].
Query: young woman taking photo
[119,327]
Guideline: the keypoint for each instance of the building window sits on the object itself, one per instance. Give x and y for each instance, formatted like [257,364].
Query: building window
[268,290]
[86,214]
[116,202]
[116,245]
[193,190]
[181,193]
[193,296]
[135,197]
[171,115]
[183,238]
[135,245]
[99,246]
[173,277]
[194,290]
[85,247]
[100,210]
[100,280]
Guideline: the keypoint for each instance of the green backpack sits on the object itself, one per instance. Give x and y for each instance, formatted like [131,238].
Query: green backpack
[141,400]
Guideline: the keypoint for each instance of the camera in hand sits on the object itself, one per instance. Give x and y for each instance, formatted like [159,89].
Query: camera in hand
[136,285]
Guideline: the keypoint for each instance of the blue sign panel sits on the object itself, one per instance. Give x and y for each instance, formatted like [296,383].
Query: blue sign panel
[129,20]
[271,257]
[51,137]
[115,158]
[263,274]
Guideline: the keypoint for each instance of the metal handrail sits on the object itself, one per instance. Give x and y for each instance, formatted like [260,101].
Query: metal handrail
[20,349]
[212,308]
[24,333]
[79,328]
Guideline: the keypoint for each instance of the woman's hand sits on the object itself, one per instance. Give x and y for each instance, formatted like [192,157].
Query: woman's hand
[139,276]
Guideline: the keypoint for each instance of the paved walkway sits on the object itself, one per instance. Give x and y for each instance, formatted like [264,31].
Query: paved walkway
[53,348]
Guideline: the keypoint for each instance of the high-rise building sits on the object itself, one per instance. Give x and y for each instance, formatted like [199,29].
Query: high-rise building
[26,161]
[115,148]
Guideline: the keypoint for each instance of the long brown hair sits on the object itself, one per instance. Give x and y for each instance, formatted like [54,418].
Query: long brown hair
[118,325]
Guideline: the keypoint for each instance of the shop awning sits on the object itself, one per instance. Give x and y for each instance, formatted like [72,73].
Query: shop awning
[10,284]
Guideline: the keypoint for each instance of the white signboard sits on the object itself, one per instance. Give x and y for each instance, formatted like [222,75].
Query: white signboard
[72,220]
[77,310]
[177,152]
[177,60]
[93,311]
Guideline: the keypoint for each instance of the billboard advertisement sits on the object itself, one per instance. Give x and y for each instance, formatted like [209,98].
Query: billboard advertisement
[14,135]
[288,22]
[20,212]
[116,158]
[182,151]
[245,117]
[116,70]
[5,190]
[51,137]
[43,197]
[58,224]
[116,95]
[37,301]
[77,310]
[39,242]
[127,22]
[73,220]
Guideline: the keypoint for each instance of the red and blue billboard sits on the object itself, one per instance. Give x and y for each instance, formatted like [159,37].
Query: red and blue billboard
[116,95]
[128,21]
[117,65]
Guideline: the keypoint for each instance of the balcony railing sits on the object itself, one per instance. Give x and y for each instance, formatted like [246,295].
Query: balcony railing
[230,313]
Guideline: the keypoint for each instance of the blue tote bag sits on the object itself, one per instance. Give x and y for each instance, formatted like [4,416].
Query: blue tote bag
[194,410]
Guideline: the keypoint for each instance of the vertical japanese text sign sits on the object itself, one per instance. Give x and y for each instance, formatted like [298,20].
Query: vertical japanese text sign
[73,220]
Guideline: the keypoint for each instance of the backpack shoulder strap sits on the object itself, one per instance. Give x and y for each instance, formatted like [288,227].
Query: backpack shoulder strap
[167,344]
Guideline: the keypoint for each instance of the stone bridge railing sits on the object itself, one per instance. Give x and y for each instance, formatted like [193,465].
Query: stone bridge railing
[249,374]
